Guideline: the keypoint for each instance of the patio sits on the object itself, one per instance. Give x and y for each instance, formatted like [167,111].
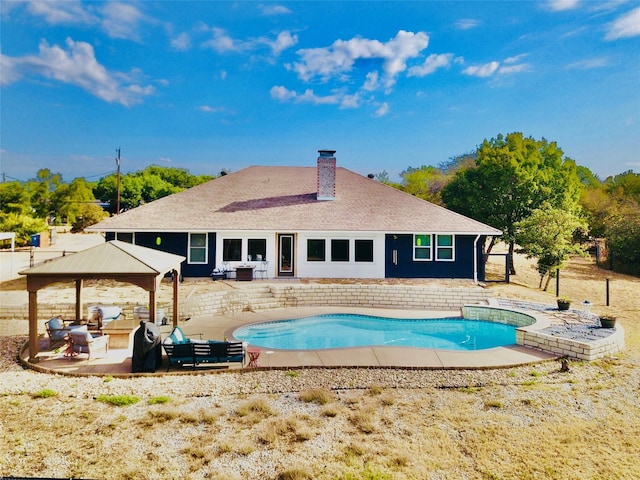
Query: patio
[118,361]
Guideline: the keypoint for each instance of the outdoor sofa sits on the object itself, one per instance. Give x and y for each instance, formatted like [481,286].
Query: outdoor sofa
[182,350]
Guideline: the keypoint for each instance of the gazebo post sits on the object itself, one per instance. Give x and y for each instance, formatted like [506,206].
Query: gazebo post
[152,306]
[33,326]
[79,283]
[175,279]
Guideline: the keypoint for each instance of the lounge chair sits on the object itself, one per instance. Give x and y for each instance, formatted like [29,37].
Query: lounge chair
[58,329]
[101,315]
[84,342]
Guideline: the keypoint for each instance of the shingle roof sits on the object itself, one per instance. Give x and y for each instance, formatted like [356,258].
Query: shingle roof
[284,199]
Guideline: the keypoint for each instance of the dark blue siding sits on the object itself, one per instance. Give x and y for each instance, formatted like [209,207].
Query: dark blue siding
[176,243]
[406,267]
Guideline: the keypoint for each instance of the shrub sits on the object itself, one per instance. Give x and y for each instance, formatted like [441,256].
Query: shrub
[44,393]
[159,400]
[118,400]
[321,396]
[259,405]
[295,474]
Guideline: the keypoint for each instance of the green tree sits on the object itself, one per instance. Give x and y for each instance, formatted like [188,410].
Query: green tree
[22,225]
[67,200]
[459,162]
[624,185]
[86,215]
[548,235]
[623,236]
[40,190]
[14,198]
[425,182]
[145,186]
[512,177]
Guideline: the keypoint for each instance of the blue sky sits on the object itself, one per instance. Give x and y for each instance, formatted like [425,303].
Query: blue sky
[208,86]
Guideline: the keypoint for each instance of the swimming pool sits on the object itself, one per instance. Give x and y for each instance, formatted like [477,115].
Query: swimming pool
[351,330]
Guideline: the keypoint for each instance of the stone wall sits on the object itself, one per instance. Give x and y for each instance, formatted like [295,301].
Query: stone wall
[259,297]
[573,348]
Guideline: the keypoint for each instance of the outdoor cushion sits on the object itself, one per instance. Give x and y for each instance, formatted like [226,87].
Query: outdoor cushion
[110,313]
[57,330]
[55,324]
[178,336]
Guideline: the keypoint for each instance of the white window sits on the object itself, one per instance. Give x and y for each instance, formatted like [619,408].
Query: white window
[422,250]
[445,248]
[197,248]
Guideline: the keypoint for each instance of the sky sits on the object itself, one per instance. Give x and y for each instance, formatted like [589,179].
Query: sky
[208,86]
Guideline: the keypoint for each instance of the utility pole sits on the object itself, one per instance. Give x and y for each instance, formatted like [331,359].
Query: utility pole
[118,194]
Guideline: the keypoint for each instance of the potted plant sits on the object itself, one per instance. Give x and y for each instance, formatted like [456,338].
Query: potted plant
[607,321]
[564,303]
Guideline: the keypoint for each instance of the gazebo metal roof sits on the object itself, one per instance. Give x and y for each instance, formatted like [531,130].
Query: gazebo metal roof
[114,260]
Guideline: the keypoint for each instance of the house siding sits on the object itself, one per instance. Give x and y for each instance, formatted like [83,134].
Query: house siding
[405,266]
[382,265]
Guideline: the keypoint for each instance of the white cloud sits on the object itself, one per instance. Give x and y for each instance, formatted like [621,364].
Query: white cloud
[282,42]
[181,43]
[626,26]
[485,70]
[55,12]
[561,5]
[117,19]
[516,58]
[224,43]
[77,66]
[467,24]
[274,9]
[339,59]
[431,64]
[371,83]
[383,110]
[589,64]
[343,100]
[511,69]
[210,109]
[121,20]
[282,93]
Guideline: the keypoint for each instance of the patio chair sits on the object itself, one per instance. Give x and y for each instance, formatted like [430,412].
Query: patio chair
[58,330]
[84,342]
[261,269]
[101,315]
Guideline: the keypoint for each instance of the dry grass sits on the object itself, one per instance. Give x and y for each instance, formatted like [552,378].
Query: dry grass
[584,423]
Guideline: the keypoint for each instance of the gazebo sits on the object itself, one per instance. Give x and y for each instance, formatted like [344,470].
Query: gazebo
[114,260]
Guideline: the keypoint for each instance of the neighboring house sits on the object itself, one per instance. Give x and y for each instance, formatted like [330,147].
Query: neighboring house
[313,222]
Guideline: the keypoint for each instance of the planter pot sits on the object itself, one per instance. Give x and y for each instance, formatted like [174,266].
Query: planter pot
[607,322]
[563,305]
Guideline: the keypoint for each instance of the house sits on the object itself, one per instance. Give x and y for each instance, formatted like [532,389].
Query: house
[313,222]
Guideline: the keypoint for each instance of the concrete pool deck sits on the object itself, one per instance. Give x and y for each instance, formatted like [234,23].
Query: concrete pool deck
[118,361]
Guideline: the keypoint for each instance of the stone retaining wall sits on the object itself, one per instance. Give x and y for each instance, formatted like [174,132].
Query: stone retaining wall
[529,333]
[583,350]
[426,297]
[358,295]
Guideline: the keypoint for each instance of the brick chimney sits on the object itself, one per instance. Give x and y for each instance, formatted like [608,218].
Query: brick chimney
[326,175]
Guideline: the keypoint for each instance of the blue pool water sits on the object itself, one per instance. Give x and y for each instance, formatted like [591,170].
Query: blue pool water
[348,330]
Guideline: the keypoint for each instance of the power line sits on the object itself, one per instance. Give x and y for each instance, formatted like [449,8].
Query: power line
[6,177]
